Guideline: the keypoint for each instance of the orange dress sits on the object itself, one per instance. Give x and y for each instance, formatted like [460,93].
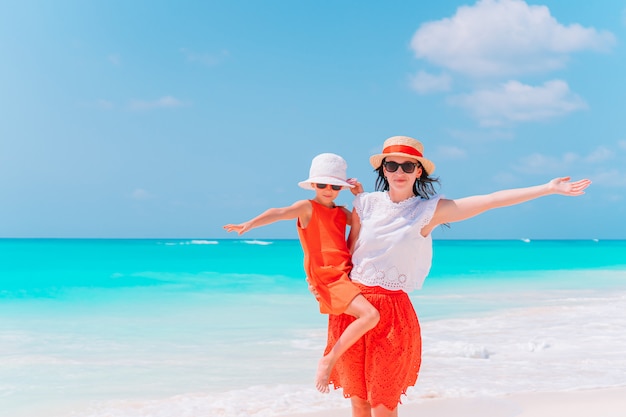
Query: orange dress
[327,261]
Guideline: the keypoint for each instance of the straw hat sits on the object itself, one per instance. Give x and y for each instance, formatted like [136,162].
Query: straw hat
[327,168]
[403,146]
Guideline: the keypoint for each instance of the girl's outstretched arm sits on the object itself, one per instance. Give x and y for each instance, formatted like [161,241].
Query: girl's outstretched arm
[449,211]
[300,209]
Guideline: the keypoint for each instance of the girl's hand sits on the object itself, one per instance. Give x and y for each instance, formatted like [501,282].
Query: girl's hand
[564,186]
[239,228]
[358,187]
[313,290]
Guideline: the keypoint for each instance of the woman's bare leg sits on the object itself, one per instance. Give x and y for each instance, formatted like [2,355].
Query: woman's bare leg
[360,407]
[382,411]
[366,318]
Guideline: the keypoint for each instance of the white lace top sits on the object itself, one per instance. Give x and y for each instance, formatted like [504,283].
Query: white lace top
[390,251]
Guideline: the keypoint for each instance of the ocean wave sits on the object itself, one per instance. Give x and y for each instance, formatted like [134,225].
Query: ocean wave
[257,242]
[193,242]
[459,350]
[203,242]
[550,347]
[257,401]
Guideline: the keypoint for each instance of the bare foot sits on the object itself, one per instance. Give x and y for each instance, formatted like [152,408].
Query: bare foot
[323,375]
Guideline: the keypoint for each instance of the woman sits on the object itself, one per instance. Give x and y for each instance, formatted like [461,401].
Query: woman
[392,252]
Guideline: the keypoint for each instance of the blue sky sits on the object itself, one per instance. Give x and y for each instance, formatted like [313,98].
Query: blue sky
[170,119]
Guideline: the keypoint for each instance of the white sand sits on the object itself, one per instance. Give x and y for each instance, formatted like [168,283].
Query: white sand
[609,402]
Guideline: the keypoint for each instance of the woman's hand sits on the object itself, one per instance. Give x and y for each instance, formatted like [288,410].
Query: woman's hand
[564,186]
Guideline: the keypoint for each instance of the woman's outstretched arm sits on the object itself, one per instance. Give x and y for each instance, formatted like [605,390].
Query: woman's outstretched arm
[450,211]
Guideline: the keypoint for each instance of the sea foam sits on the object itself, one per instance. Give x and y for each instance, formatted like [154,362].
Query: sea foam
[560,344]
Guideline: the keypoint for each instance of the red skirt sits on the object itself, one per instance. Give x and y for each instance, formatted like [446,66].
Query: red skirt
[381,365]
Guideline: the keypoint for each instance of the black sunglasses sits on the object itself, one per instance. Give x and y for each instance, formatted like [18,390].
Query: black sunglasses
[334,187]
[407,167]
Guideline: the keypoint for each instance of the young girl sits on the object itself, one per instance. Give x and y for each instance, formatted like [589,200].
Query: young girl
[322,232]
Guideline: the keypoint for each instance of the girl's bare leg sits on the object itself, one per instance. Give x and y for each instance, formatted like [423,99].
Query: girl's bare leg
[366,318]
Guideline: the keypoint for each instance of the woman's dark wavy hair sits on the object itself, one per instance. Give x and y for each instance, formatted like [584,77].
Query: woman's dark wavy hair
[424,186]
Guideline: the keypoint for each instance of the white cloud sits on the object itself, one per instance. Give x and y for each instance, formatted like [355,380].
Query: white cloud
[424,83]
[104,104]
[100,104]
[517,102]
[481,135]
[163,102]
[140,194]
[540,163]
[622,144]
[115,59]
[601,154]
[504,37]
[505,178]
[451,152]
[611,178]
[209,60]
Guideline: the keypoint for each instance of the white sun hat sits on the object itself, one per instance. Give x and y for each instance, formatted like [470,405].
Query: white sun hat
[327,168]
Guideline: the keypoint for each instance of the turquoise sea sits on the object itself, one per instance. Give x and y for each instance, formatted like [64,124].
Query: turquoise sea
[186,328]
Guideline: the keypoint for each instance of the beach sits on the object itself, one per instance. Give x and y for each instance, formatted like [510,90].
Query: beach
[607,402]
[184,328]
